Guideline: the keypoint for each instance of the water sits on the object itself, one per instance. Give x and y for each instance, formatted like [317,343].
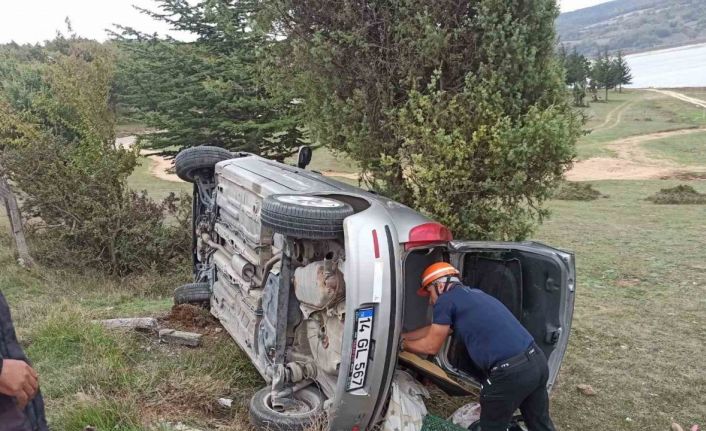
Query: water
[676,67]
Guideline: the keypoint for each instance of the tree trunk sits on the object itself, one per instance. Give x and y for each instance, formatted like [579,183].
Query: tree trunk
[13,213]
[606,93]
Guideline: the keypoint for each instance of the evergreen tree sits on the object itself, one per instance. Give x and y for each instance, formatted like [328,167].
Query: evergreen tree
[457,108]
[205,92]
[577,72]
[623,72]
[603,73]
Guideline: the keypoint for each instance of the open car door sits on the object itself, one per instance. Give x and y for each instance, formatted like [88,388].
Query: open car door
[536,282]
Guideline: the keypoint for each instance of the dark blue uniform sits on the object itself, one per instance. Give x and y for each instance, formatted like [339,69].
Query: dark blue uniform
[496,341]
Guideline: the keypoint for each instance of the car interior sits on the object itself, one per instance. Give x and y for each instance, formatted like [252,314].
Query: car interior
[528,284]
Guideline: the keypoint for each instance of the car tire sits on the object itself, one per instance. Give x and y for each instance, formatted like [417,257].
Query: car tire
[193,293]
[309,403]
[199,161]
[305,216]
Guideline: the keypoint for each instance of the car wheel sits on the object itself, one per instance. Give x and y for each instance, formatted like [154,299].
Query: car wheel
[305,216]
[196,161]
[193,293]
[306,408]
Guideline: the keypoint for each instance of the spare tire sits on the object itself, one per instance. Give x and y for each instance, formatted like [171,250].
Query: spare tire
[305,410]
[305,216]
[199,161]
[193,293]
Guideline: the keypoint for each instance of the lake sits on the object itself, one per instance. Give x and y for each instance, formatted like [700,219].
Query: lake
[676,67]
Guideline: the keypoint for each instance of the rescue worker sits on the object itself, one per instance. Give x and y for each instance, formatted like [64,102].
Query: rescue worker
[515,368]
[21,404]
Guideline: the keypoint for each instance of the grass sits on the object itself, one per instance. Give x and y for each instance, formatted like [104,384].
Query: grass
[638,331]
[142,179]
[680,195]
[631,113]
[687,149]
[636,338]
[574,191]
[324,159]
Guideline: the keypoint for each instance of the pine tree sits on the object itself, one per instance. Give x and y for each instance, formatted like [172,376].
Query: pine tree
[603,73]
[457,108]
[205,92]
[624,75]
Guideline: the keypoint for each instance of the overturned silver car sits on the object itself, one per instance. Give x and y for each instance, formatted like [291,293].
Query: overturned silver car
[316,280]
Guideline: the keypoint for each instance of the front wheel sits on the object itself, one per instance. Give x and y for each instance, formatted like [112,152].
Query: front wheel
[304,408]
[199,162]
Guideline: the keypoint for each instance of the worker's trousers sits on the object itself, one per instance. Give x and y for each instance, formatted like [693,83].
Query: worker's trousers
[522,385]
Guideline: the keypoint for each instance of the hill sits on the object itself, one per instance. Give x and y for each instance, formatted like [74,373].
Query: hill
[633,25]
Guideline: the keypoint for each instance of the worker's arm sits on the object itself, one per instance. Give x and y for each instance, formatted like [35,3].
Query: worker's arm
[431,343]
[417,333]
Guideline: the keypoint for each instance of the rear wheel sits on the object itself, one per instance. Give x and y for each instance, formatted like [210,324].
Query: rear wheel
[304,216]
[304,408]
[193,293]
[199,162]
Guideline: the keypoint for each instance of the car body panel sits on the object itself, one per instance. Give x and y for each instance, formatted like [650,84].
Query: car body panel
[564,262]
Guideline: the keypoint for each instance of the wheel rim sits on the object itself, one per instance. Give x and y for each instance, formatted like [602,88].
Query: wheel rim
[310,201]
[297,406]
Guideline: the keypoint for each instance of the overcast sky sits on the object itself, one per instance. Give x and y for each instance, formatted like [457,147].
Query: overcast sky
[30,21]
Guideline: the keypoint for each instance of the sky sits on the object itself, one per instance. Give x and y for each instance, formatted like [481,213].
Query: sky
[32,21]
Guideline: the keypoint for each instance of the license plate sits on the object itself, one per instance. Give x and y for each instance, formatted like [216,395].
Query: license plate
[361,348]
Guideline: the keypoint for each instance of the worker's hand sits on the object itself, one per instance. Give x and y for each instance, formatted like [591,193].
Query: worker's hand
[18,380]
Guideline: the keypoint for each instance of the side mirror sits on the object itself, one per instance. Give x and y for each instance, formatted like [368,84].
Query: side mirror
[304,156]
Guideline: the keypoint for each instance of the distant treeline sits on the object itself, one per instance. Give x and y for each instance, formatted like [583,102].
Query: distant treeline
[604,72]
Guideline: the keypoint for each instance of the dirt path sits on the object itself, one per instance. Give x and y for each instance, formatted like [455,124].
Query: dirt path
[683,97]
[632,162]
[614,117]
[161,167]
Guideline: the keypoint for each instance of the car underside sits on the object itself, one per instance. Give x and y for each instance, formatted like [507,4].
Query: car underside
[315,280]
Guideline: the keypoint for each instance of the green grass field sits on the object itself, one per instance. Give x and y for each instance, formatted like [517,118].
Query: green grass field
[687,150]
[631,113]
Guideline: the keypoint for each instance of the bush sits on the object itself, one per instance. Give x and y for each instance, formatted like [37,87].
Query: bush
[58,149]
[571,191]
[679,195]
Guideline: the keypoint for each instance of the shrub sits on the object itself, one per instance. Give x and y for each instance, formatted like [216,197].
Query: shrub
[58,149]
[571,191]
[680,195]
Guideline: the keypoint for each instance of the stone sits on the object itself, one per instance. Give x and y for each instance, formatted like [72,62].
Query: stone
[145,323]
[172,336]
[586,390]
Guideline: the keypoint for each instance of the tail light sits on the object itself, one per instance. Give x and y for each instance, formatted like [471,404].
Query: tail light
[428,233]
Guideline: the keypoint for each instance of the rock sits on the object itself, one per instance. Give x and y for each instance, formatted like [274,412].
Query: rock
[225,402]
[145,323]
[89,428]
[586,390]
[676,427]
[173,336]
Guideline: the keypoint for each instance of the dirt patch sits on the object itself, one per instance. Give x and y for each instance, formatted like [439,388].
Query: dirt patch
[685,176]
[163,168]
[632,162]
[628,282]
[191,318]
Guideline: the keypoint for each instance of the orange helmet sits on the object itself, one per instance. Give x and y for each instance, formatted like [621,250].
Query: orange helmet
[434,272]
